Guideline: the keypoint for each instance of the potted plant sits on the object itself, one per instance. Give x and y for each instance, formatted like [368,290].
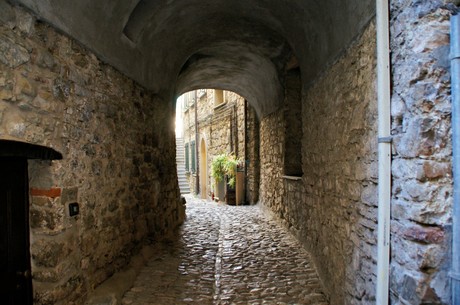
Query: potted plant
[224,168]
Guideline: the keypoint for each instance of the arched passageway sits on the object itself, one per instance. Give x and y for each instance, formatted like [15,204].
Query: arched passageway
[103,92]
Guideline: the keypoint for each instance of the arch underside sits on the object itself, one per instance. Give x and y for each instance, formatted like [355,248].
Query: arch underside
[174,46]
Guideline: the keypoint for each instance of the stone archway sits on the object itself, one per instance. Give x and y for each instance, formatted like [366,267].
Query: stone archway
[203,169]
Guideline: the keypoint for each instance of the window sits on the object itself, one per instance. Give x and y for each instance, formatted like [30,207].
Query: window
[201,92]
[293,131]
[218,97]
[187,158]
[192,148]
[189,99]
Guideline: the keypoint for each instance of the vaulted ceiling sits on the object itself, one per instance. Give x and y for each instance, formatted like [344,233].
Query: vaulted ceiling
[173,46]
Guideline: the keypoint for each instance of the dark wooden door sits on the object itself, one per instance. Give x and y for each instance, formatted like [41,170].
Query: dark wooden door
[15,275]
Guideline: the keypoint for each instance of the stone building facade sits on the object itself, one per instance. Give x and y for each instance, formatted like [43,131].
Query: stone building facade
[308,74]
[222,122]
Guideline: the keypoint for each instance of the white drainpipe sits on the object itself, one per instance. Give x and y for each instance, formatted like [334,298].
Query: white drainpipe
[455,80]
[384,151]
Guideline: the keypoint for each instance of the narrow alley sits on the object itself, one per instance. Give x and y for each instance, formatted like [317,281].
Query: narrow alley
[336,121]
[228,255]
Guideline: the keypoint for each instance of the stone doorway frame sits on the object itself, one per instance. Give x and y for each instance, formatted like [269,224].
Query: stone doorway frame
[203,169]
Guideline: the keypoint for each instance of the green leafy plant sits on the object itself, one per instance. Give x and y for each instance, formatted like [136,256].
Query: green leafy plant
[218,168]
[225,165]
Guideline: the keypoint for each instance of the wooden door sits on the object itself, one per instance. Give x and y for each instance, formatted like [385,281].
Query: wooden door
[15,274]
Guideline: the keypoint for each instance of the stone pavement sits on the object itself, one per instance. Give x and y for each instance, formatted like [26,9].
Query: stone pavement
[228,255]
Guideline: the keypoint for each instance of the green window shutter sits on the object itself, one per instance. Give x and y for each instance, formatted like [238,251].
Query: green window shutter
[192,148]
[187,158]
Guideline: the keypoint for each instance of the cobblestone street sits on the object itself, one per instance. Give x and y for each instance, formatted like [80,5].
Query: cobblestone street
[228,255]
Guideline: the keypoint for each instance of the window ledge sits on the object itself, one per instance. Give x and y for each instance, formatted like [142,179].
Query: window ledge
[294,178]
[220,105]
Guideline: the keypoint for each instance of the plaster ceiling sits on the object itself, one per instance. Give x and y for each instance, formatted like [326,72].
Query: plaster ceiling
[173,46]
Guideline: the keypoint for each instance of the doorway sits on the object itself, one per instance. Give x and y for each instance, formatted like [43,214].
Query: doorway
[203,170]
[15,267]
[15,271]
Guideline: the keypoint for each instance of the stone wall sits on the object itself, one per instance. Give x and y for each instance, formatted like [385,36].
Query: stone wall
[332,209]
[272,162]
[340,173]
[253,156]
[115,138]
[422,180]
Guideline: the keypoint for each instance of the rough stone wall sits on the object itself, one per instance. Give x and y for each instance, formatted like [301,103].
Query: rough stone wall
[340,173]
[221,131]
[332,210]
[253,157]
[422,181]
[272,162]
[115,138]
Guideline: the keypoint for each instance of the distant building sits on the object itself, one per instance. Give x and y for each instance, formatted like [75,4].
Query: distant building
[220,122]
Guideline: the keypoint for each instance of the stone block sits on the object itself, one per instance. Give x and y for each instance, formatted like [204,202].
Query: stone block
[416,191]
[7,14]
[12,54]
[430,36]
[407,169]
[434,170]
[72,287]
[429,257]
[407,287]
[427,235]
[369,195]
[49,253]
[69,194]
[26,86]
[47,220]
[45,59]
[53,275]
[42,201]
